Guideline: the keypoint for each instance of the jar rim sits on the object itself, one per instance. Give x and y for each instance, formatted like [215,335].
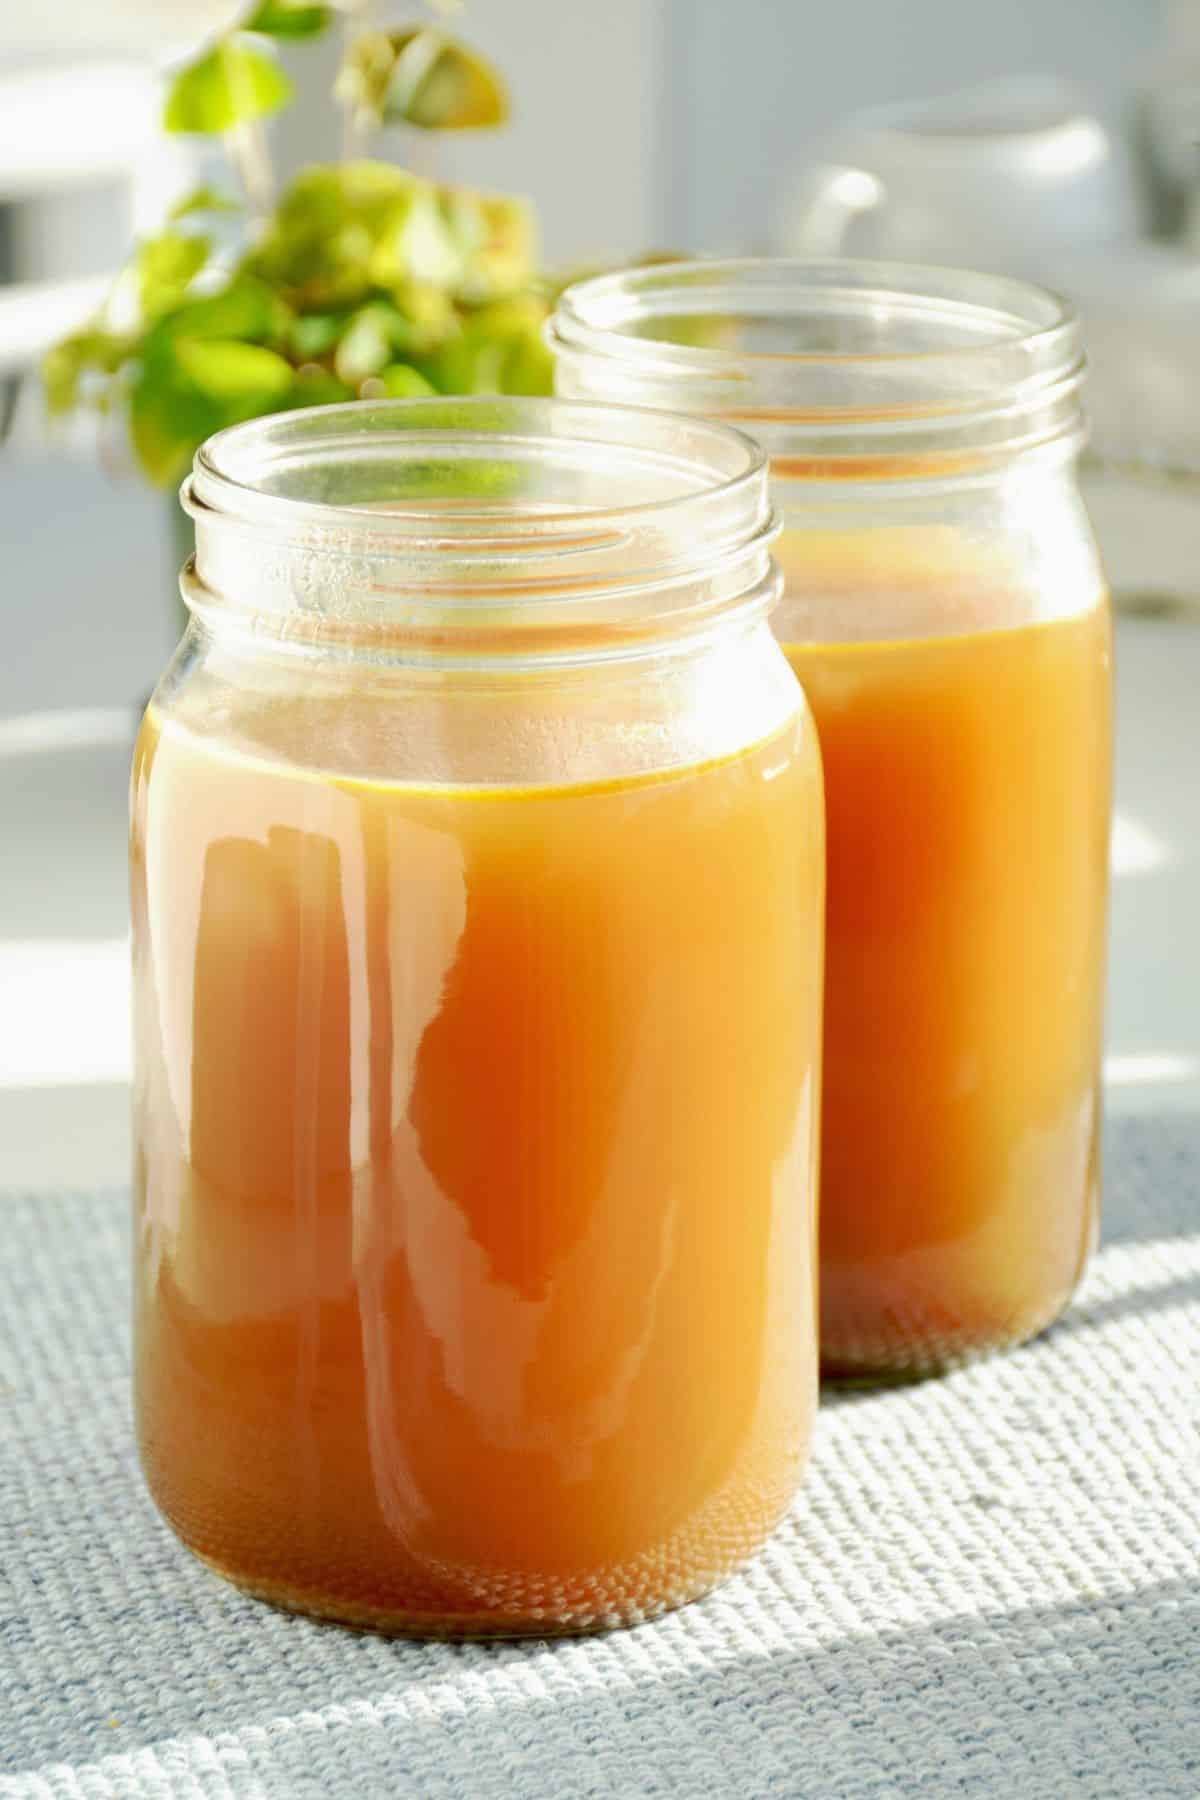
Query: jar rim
[597,314]
[282,445]
[909,368]
[506,525]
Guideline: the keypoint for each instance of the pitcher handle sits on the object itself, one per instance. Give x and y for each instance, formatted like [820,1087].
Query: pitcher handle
[829,198]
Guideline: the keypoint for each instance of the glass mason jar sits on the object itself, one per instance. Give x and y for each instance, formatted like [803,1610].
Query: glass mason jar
[946,613]
[478,863]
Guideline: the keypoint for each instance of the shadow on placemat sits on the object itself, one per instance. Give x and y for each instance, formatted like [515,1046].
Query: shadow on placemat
[1151,1178]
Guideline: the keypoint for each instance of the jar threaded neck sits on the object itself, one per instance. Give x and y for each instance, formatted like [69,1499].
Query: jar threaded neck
[480,527]
[857,370]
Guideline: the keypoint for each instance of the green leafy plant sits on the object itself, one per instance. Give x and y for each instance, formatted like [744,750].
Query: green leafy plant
[362,279]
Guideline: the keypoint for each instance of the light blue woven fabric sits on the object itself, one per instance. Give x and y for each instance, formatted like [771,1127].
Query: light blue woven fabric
[989,1586]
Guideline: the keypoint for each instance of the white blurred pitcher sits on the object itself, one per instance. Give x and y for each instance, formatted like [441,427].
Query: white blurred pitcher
[999,177]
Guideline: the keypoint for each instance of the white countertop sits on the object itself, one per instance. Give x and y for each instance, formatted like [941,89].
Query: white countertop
[64,1047]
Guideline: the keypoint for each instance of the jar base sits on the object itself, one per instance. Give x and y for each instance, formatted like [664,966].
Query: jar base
[911,1366]
[384,1621]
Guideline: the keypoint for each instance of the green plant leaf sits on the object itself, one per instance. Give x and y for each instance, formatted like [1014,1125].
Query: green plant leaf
[314,334]
[499,351]
[203,200]
[164,267]
[66,365]
[362,80]
[366,347]
[343,233]
[247,309]
[440,84]
[469,365]
[230,85]
[246,375]
[63,368]
[422,77]
[415,244]
[168,420]
[291,19]
[315,386]
[187,388]
[462,211]
[426,316]
[324,228]
[301,250]
[381,332]
[498,237]
[529,365]
[402,382]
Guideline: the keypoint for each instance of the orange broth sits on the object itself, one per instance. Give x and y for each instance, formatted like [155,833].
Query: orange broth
[967,794]
[475,1276]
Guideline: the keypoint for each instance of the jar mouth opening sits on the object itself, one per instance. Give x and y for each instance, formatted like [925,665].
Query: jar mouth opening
[834,339]
[479,474]
[497,525]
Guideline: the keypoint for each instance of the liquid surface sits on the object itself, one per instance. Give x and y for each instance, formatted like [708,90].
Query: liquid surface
[474,1244]
[967,795]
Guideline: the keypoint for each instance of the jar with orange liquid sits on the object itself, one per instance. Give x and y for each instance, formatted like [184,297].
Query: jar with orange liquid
[946,614]
[477,873]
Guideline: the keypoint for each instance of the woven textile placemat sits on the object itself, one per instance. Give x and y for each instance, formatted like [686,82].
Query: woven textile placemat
[988,1587]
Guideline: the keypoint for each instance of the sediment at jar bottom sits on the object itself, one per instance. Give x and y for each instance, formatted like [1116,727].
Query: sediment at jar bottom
[879,1335]
[474,1275]
[967,792]
[376,1587]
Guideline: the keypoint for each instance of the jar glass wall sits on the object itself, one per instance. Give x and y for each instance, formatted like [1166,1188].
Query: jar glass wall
[946,614]
[477,865]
